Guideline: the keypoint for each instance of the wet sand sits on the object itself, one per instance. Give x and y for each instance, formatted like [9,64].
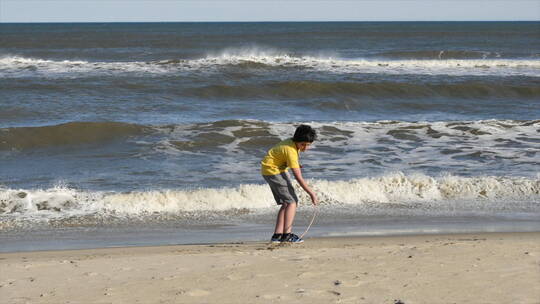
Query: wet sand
[458,268]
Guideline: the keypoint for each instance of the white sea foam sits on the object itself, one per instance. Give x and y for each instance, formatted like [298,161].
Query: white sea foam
[353,147]
[17,66]
[385,66]
[425,193]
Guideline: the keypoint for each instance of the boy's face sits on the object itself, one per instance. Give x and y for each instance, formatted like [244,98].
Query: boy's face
[303,146]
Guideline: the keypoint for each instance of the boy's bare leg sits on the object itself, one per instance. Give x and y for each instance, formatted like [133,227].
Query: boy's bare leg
[285,218]
[280,221]
[290,212]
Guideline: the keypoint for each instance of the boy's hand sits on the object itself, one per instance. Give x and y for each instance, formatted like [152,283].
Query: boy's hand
[298,175]
[314,199]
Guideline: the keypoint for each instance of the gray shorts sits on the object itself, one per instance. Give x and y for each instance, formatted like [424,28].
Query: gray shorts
[282,188]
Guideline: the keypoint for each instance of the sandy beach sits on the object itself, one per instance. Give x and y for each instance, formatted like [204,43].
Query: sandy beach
[460,268]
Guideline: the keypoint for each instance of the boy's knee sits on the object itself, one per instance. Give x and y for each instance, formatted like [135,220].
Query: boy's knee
[291,205]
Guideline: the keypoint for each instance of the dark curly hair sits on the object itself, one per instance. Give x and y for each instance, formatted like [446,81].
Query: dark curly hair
[304,133]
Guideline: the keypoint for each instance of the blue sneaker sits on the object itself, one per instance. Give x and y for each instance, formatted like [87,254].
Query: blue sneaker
[291,238]
[276,238]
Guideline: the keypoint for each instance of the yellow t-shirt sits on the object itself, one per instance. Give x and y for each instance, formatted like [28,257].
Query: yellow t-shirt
[282,156]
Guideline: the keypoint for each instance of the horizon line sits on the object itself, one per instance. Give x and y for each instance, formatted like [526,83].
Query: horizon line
[265,21]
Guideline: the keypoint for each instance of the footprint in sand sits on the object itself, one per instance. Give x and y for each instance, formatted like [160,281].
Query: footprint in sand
[264,275]
[8,282]
[169,278]
[272,297]
[300,258]
[301,292]
[352,283]
[236,277]
[197,293]
[309,274]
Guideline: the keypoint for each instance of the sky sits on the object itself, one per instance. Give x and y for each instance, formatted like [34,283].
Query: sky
[263,10]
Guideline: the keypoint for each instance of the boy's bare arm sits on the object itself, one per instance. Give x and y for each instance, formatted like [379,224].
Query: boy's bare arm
[298,175]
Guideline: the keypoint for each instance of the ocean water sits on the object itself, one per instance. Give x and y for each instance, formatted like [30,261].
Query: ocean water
[152,133]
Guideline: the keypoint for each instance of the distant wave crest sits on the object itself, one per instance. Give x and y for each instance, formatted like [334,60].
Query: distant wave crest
[253,58]
[444,54]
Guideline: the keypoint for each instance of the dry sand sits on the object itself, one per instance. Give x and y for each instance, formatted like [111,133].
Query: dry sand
[460,268]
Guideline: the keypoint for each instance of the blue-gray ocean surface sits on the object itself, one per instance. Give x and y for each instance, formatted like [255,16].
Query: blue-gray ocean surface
[152,133]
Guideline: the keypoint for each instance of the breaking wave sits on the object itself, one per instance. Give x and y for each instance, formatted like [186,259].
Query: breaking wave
[249,59]
[446,54]
[421,192]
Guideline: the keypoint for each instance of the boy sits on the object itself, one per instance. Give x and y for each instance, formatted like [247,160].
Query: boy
[274,168]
